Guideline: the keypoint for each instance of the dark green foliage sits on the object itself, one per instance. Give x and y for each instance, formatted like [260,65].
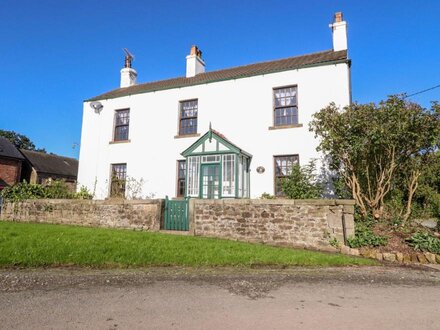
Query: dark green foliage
[335,243]
[83,193]
[340,188]
[267,196]
[20,141]
[375,149]
[427,196]
[302,183]
[22,191]
[58,189]
[422,241]
[364,236]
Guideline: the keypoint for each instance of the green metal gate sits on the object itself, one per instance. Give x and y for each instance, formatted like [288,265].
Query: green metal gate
[176,214]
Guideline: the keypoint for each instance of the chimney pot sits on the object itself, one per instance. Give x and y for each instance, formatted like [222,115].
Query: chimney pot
[195,51]
[338,17]
[194,62]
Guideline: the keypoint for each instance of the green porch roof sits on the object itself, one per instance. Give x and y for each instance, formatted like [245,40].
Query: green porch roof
[223,145]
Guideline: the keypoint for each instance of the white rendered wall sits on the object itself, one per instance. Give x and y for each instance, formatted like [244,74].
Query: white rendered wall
[240,109]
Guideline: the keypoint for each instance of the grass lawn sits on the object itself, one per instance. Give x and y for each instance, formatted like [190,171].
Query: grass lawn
[32,245]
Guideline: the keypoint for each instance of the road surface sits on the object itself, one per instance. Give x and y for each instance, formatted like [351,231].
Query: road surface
[181,298]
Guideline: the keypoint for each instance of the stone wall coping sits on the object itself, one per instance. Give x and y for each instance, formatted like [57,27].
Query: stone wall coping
[91,201]
[312,202]
[116,201]
[330,202]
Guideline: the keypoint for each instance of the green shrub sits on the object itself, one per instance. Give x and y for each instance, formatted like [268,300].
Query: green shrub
[364,236]
[335,243]
[57,189]
[341,190]
[302,183]
[23,190]
[83,193]
[422,241]
[267,196]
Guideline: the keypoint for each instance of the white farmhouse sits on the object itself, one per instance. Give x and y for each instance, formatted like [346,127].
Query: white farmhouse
[155,139]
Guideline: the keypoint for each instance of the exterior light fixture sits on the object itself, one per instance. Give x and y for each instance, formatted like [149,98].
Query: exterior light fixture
[97,106]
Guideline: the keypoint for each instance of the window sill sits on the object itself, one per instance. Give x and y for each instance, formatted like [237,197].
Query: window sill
[121,141]
[186,136]
[285,126]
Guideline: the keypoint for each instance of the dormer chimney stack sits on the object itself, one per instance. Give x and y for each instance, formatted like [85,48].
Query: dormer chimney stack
[128,74]
[194,62]
[339,30]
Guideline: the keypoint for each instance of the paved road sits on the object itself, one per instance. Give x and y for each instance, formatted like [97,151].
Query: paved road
[179,298]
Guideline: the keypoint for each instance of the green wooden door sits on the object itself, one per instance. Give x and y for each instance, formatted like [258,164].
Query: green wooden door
[210,181]
[176,215]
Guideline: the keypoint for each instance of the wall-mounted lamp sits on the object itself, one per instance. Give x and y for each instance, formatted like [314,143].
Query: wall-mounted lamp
[97,106]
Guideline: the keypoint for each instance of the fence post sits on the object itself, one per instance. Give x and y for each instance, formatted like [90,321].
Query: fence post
[191,220]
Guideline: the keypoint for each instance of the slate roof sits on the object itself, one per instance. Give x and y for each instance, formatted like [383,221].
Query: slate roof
[7,149]
[320,58]
[52,164]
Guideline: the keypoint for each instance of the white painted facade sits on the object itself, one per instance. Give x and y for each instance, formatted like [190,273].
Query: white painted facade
[241,109]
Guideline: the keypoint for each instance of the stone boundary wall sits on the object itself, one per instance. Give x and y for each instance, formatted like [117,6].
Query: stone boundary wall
[294,223]
[298,223]
[138,214]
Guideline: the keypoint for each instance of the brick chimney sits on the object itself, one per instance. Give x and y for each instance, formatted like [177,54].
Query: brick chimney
[339,30]
[194,62]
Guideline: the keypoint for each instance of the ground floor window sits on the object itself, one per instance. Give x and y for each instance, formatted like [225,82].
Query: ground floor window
[228,175]
[181,174]
[283,165]
[118,178]
[193,167]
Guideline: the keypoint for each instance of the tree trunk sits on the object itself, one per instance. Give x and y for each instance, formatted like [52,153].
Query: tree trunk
[412,187]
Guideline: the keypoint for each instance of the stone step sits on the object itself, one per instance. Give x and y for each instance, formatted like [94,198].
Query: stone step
[174,232]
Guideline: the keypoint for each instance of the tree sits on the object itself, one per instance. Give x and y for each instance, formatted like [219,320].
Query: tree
[20,141]
[372,145]
[427,196]
[302,183]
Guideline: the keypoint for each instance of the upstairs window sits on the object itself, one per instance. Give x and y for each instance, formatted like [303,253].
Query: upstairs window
[283,168]
[188,117]
[118,179]
[285,106]
[122,123]
[181,176]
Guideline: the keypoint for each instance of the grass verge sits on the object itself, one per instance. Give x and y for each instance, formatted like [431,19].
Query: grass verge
[33,245]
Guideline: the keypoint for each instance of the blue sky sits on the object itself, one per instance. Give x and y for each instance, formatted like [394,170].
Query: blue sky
[54,54]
